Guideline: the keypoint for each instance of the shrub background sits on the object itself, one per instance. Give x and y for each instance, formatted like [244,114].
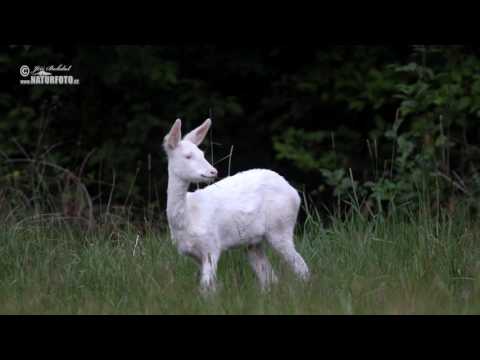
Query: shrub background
[376,118]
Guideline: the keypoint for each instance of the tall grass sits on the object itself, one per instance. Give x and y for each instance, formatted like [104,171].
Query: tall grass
[62,253]
[411,263]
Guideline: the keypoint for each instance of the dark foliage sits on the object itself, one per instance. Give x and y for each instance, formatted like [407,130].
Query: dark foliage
[395,116]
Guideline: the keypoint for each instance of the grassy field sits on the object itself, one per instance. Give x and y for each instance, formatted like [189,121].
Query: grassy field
[420,264]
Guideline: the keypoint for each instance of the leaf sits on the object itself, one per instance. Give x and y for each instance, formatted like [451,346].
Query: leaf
[406,89]
[422,88]
[476,87]
[411,67]
[357,105]
[441,140]
[464,103]
[411,104]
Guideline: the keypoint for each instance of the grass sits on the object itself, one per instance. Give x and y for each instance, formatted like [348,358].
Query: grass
[420,264]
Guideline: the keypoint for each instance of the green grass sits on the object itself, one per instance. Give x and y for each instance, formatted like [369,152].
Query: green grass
[402,265]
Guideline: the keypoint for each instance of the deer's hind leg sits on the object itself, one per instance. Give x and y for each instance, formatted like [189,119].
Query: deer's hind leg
[282,241]
[261,266]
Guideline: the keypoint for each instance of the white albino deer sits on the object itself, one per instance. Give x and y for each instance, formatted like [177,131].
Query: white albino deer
[244,209]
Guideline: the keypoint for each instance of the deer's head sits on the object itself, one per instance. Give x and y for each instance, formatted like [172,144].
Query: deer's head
[185,159]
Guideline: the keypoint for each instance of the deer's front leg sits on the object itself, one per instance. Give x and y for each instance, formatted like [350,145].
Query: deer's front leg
[209,272]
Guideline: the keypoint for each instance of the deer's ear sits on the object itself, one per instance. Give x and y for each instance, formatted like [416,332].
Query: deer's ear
[174,136]
[197,135]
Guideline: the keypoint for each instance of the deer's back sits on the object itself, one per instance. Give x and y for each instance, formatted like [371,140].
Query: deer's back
[243,206]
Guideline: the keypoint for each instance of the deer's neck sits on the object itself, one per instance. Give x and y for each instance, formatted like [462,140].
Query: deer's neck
[176,201]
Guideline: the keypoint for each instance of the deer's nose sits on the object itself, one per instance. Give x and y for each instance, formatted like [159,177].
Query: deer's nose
[213,172]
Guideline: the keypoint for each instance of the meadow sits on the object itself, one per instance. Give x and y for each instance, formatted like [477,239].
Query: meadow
[405,263]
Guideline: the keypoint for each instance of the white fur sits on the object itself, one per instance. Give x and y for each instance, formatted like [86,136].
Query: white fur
[243,209]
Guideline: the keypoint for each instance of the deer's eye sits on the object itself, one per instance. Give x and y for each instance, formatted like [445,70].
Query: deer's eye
[189,156]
